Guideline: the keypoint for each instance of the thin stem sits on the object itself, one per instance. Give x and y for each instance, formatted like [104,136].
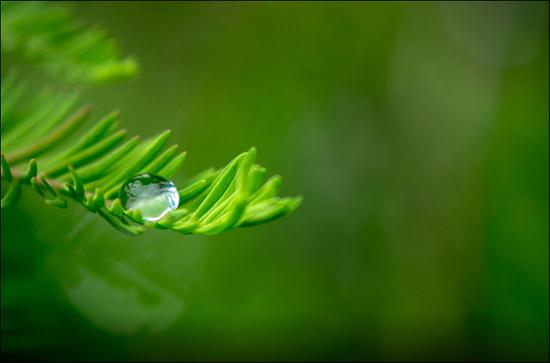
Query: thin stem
[59,187]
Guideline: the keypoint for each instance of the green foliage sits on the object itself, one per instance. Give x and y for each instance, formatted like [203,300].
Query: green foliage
[42,146]
[47,33]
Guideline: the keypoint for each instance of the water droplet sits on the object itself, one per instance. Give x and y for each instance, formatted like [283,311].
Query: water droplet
[152,195]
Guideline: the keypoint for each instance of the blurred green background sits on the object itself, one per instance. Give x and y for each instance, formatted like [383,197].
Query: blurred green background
[418,135]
